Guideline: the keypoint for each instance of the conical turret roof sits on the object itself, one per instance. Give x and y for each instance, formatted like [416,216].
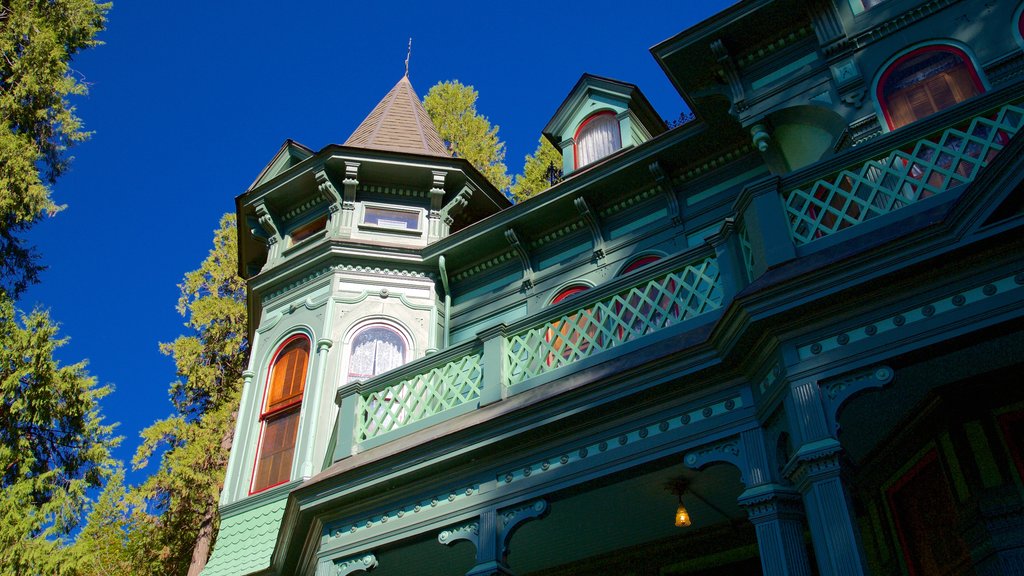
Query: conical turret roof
[399,124]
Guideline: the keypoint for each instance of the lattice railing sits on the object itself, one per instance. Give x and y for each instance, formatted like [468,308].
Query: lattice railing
[747,251]
[596,326]
[924,168]
[418,397]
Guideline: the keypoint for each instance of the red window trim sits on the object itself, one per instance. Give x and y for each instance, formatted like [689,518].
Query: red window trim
[264,412]
[640,262]
[880,97]
[575,137]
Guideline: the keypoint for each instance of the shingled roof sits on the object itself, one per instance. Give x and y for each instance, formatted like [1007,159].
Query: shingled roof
[399,124]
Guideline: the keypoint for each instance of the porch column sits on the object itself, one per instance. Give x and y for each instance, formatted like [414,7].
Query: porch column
[815,471]
[777,516]
[490,533]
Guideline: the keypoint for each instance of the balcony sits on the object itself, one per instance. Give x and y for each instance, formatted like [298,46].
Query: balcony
[777,219]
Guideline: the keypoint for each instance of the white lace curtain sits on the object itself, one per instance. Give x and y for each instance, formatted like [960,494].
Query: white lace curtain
[375,351]
[598,138]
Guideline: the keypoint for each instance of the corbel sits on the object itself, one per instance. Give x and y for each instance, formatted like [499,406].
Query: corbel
[266,222]
[667,191]
[524,257]
[346,566]
[456,204]
[437,189]
[327,190]
[587,215]
[729,74]
[350,183]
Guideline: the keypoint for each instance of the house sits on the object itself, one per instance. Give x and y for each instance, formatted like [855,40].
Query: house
[793,324]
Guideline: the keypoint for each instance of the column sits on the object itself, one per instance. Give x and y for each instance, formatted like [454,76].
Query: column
[777,516]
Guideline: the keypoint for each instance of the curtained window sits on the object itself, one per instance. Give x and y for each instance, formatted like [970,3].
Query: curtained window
[280,414]
[925,81]
[597,137]
[375,350]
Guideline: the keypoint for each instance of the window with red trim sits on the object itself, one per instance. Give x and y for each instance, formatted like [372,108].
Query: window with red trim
[924,82]
[650,308]
[572,333]
[597,137]
[279,416]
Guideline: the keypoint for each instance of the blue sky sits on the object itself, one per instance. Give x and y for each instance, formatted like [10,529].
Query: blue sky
[189,100]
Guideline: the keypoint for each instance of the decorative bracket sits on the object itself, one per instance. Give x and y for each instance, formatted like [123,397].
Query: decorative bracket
[347,566]
[665,185]
[587,215]
[456,204]
[329,192]
[524,257]
[836,391]
[729,74]
[267,223]
[350,182]
[437,189]
[729,450]
[491,535]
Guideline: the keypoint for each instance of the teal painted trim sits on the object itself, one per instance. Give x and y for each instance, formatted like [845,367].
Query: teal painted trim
[564,255]
[727,184]
[696,238]
[781,73]
[489,287]
[635,224]
[470,331]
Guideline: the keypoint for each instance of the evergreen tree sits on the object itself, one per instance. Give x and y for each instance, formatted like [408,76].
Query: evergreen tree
[54,446]
[540,171]
[467,134]
[37,40]
[181,496]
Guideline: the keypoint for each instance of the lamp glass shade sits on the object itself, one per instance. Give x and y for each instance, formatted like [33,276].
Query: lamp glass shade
[682,516]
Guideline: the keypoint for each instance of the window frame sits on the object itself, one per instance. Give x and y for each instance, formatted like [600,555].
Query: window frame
[882,102]
[377,228]
[580,128]
[363,327]
[266,413]
[552,335]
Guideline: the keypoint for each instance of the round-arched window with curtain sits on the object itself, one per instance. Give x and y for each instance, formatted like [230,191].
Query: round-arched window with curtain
[375,350]
[925,81]
[597,137]
[279,416]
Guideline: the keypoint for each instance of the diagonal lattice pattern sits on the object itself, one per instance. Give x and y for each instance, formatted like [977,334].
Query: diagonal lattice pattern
[643,309]
[924,168]
[418,397]
[748,252]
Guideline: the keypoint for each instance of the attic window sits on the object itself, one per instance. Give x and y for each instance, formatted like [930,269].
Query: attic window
[308,229]
[391,218]
[597,137]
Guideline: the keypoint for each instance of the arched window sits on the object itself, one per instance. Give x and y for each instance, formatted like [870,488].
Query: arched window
[646,313]
[279,415]
[597,137]
[922,82]
[640,263]
[573,334]
[375,350]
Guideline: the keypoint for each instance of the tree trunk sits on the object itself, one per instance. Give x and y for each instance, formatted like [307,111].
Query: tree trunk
[204,539]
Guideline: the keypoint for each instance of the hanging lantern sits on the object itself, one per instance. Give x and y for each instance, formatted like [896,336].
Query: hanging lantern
[682,515]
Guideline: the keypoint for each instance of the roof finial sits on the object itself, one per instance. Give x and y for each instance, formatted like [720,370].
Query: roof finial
[407,56]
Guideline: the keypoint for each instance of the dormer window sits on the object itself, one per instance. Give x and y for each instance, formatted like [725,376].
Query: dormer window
[924,82]
[597,137]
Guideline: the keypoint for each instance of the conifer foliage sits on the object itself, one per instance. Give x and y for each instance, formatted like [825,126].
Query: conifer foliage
[37,122]
[467,134]
[180,498]
[537,171]
[54,446]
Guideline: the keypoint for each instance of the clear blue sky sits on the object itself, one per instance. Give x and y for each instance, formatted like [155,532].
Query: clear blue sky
[189,100]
